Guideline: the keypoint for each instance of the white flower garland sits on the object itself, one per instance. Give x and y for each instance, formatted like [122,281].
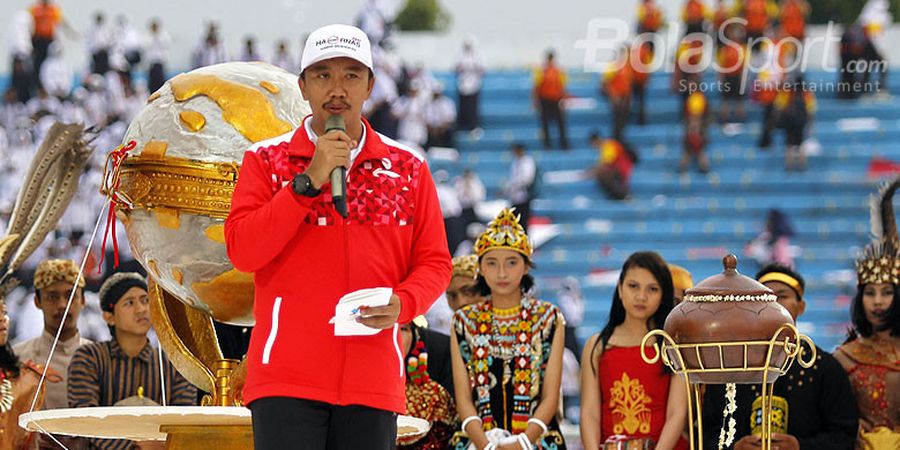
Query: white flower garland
[726,438]
[731,298]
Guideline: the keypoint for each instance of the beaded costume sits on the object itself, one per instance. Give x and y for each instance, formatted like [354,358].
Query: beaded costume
[506,351]
[506,354]
[426,399]
[873,362]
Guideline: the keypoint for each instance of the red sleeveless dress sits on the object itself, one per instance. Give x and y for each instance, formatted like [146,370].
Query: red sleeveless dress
[634,395]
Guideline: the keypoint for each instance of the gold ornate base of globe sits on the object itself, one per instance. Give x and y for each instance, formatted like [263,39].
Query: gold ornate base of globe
[219,437]
[673,356]
[189,340]
[223,394]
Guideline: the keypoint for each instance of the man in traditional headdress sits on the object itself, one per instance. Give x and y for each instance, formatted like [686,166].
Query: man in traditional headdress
[54,281]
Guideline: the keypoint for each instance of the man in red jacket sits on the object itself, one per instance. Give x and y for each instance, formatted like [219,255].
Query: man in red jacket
[304,383]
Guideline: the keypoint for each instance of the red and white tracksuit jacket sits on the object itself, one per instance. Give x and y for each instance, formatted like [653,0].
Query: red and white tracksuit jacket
[305,257]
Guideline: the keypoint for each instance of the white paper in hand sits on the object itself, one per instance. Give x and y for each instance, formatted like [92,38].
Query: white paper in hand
[347,311]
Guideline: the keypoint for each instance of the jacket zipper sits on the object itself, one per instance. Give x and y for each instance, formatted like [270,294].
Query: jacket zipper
[346,233]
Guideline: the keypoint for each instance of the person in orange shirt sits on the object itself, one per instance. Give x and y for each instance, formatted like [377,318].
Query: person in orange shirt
[721,14]
[793,18]
[549,91]
[617,85]
[758,14]
[694,16]
[650,17]
[732,60]
[45,16]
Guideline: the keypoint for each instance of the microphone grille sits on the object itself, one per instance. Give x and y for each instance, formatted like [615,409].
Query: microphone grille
[335,122]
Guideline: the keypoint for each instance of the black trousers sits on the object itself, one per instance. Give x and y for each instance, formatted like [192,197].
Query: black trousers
[40,47]
[639,92]
[383,121]
[456,232]
[100,62]
[768,125]
[612,183]
[620,110]
[551,111]
[156,77]
[467,117]
[283,423]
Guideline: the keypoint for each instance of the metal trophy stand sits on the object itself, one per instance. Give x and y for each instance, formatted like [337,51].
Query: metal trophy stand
[740,362]
[672,356]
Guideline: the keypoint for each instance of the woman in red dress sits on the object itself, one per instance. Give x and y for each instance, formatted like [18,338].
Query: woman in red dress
[622,397]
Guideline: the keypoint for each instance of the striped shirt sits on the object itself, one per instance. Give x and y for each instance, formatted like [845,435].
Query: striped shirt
[101,374]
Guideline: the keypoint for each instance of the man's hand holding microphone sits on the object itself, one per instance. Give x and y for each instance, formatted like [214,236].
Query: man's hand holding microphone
[329,163]
[332,152]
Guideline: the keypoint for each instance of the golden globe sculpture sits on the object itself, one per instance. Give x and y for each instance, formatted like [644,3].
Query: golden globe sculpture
[172,182]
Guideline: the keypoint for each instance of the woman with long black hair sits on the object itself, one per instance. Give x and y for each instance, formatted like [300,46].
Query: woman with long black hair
[871,354]
[622,397]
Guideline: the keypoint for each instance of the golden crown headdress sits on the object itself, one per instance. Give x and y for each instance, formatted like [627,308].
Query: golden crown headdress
[880,260]
[465,266]
[504,232]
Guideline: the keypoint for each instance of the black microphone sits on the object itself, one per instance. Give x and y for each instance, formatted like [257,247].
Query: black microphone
[339,174]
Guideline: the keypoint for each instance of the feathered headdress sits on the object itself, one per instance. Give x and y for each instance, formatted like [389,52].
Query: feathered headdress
[504,232]
[48,189]
[880,260]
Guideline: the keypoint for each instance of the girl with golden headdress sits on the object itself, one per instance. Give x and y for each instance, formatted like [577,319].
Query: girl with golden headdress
[871,355]
[507,351]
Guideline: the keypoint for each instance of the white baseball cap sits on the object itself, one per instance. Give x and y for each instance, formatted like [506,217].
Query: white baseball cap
[336,41]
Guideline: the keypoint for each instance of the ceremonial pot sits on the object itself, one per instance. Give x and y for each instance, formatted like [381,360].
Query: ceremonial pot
[731,329]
